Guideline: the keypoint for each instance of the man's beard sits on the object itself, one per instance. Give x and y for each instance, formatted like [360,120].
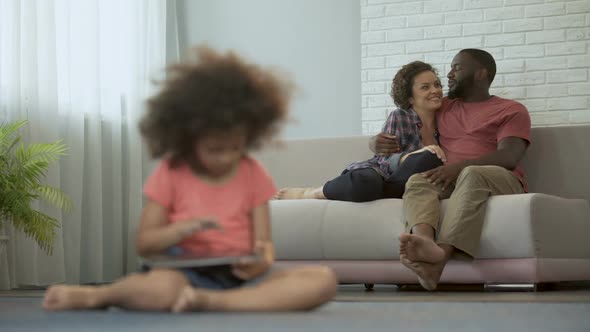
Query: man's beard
[461,89]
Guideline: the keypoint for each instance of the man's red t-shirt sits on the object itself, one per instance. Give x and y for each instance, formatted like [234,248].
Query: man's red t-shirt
[471,130]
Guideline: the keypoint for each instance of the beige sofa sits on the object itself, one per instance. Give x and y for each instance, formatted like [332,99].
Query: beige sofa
[528,239]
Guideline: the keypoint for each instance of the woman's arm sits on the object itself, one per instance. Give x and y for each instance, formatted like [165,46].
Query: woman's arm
[434,149]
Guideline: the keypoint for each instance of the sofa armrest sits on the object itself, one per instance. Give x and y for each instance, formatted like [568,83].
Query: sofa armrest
[561,227]
[535,225]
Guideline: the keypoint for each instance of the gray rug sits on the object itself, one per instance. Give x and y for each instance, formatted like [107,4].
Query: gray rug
[25,314]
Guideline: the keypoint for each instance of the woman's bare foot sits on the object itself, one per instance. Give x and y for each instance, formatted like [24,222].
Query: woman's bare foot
[191,299]
[299,193]
[428,273]
[420,249]
[62,297]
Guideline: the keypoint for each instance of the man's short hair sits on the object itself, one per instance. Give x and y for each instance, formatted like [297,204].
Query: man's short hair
[485,59]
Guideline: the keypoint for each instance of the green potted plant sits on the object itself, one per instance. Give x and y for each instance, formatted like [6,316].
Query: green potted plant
[22,170]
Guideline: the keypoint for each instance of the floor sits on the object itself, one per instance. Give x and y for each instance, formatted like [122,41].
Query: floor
[572,293]
[386,308]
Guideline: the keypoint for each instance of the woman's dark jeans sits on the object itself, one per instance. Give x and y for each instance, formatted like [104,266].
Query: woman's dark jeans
[364,185]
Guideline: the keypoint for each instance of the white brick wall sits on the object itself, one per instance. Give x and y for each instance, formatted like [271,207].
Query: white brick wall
[541,47]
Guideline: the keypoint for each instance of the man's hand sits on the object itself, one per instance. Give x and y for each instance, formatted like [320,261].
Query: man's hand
[444,175]
[384,144]
[510,151]
[250,270]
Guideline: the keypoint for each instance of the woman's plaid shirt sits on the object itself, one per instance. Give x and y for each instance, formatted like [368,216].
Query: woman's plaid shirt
[405,125]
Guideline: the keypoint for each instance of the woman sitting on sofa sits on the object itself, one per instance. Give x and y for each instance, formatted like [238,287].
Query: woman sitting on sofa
[407,144]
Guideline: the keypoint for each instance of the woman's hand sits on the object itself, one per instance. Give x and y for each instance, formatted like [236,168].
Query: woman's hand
[435,149]
[248,270]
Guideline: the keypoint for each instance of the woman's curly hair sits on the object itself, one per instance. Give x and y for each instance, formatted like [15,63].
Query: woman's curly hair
[213,92]
[401,86]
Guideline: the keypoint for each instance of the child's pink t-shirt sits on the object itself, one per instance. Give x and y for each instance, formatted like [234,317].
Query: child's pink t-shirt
[186,197]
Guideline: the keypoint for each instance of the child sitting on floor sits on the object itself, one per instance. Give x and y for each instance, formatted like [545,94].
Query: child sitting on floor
[210,113]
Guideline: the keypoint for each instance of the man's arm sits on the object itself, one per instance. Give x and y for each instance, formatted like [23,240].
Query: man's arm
[373,143]
[510,151]
[384,144]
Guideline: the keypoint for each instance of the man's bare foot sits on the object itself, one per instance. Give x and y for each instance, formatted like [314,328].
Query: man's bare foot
[420,249]
[191,299]
[298,193]
[62,297]
[428,274]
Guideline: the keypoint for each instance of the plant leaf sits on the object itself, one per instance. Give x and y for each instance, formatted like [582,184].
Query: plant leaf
[55,197]
[22,169]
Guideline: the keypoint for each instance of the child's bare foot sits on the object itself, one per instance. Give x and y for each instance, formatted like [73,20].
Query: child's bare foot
[191,299]
[62,297]
[297,193]
[428,274]
[420,249]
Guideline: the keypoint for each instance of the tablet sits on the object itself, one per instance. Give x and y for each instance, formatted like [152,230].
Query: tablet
[185,260]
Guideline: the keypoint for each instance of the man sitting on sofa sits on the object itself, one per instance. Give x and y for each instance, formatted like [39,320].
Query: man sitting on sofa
[484,138]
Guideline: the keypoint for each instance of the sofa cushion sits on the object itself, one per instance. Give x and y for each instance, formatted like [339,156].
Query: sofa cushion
[322,229]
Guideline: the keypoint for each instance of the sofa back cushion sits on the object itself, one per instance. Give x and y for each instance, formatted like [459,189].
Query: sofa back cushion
[312,162]
[556,163]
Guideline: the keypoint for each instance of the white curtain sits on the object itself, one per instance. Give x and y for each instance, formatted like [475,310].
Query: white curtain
[80,70]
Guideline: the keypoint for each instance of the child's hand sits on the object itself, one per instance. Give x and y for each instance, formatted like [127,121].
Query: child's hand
[209,223]
[249,270]
[188,227]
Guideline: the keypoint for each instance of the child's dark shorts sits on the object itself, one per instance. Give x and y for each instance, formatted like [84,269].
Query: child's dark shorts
[215,277]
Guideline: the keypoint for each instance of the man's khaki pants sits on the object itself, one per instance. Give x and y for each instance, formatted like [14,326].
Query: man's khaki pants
[463,221]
